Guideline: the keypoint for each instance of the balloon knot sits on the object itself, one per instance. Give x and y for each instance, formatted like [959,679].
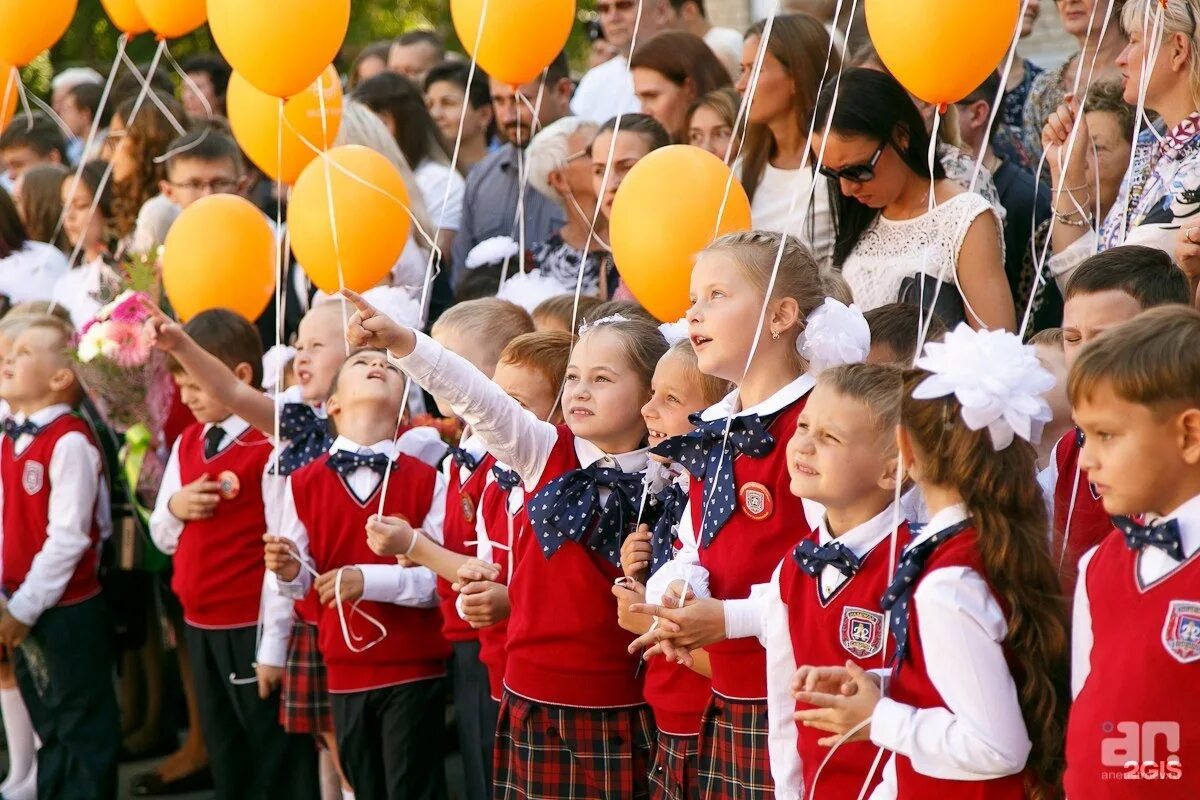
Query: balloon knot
[942,108]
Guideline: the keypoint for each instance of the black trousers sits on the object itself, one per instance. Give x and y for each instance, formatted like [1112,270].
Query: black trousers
[475,713]
[251,756]
[390,741]
[65,671]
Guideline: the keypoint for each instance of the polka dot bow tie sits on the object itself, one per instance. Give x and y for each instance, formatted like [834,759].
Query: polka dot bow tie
[670,504]
[1163,535]
[14,430]
[344,463]
[507,478]
[707,453]
[462,458]
[813,558]
[899,593]
[569,508]
[307,435]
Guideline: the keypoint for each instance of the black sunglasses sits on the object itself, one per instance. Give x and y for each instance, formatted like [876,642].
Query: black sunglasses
[855,173]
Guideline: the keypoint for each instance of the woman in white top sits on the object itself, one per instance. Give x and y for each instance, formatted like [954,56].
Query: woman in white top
[877,150]
[28,269]
[776,165]
[85,288]
[401,106]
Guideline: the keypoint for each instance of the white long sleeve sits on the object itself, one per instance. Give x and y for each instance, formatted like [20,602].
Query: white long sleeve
[980,735]
[512,434]
[782,735]
[1082,636]
[278,614]
[745,617]
[165,527]
[292,529]
[684,565]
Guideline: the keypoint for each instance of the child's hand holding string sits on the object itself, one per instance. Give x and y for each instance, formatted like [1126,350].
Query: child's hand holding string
[280,558]
[629,591]
[390,536]
[636,553]
[484,603]
[475,569]
[368,327]
[849,709]
[161,331]
[697,624]
[350,591]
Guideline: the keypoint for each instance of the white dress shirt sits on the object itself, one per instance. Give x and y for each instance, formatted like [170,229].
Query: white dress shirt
[782,661]
[1152,565]
[78,291]
[31,272]
[78,498]
[981,734]
[383,583]
[605,91]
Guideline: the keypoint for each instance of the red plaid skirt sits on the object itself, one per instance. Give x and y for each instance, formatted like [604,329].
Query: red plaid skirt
[673,775]
[562,753]
[734,762]
[304,700]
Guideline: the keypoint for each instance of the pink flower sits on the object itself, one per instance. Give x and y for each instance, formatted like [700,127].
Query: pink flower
[128,308]
[88,325]
[131,348]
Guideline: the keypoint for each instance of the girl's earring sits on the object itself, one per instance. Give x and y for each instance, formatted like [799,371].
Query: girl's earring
[775,336]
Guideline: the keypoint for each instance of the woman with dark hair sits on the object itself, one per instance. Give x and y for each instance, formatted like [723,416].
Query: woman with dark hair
[670,72]
[28,269]
[894,239]
[38,195]
[774,166]
[371,61]
[88,225]
[399,103]
[451,101]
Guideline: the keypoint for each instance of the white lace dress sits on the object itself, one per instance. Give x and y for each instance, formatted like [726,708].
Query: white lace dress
[892,250]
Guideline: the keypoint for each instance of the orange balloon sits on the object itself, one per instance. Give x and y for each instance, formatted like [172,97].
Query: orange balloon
[520,37]
[942,50]
[126,15]
[219,253]
[9,77]
[280,51]
[370,207]
[28,27]
[254,117]
[171,19]
[656,231]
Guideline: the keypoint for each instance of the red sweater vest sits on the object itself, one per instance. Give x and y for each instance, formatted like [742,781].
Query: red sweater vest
[462,506]
[1134,730]
[27,489]
[493,640]
[1089,522]
[766,525]
[219,564]
[336,522]
[913,687]
[847,625]
[564,645]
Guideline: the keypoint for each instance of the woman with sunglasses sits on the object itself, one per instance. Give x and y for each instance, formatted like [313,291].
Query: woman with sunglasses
[901,233]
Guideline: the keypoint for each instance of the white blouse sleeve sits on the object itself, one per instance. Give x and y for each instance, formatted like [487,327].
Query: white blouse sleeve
[1082,637]
[684,566]
[782,735]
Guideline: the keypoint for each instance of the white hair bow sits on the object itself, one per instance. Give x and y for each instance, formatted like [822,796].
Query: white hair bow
[496,250]
[674,332]
[529,289]
[396,302]
[275,362]
[835,334]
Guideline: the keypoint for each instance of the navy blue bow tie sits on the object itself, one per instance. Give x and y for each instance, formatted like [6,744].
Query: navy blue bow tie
[462,458]
[507,478]
[900,591]
[670,504]
[307,435]
[14,429]
[813,558]
[344,463]
[569,508]
[1163,535]
[707,453]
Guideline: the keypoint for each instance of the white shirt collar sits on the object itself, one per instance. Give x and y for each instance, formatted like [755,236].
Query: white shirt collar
[951,515]
[233,425]
[863,539]
[387,446]
[44,416]
[293,394]
[472,444]
[1188,516]
[781,399]
[588,454]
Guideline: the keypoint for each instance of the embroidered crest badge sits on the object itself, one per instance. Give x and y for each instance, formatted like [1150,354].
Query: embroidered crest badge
[229,485]
[756,501]
[1181,631]
[862,632]
[468,508]
[33,477]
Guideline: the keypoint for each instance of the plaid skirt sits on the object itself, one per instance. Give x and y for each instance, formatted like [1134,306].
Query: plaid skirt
[734,762]
[673,775]
[304,700]
[548,752]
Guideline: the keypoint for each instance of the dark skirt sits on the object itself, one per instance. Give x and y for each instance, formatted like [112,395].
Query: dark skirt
[734,762]
[304,702]
[674,773]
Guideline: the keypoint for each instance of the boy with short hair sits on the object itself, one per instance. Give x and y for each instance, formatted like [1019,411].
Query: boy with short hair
[1133,728]
[379,628]
[1106,290]
[895,329]
[211,516]
[203,162]
[55,624]
[29,141]
[556,313]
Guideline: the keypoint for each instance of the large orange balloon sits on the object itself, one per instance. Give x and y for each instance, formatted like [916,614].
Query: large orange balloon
[171,19]
[942,50]
[126,15]
[8,94]
[372,223]
[663,215]
[520,37]
[254,117]
[279,50]
[27,27]
[219,253]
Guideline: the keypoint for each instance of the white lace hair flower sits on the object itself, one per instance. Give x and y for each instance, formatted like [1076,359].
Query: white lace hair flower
[674,332]
[396,302]
[529,289]
[998,380]
[613,319]
[835,334]
[492,251]
[275,362]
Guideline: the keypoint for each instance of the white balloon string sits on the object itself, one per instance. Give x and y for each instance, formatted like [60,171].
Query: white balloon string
[145,82]
[1149,58]
[26,99]
[348,636]
[998,100]
[332,208]
[208,111]
[812,790]
[280,279]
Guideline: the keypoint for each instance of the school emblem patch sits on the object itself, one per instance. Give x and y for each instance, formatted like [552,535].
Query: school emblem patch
[1181,631]
[862,632]
[229,485]
[468,509]
[756,501]
[32,478]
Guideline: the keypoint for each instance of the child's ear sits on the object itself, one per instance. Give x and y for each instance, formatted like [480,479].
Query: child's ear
[168,191]
[1189,429]
[333,406]
[245,373]
[786,314]
[905,448]
[62,380]
[888,479]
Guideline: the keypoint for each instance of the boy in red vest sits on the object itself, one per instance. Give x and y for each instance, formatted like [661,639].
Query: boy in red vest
[1134,729]
[55,624]
[1106,290]
[210,515]
[379,628]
